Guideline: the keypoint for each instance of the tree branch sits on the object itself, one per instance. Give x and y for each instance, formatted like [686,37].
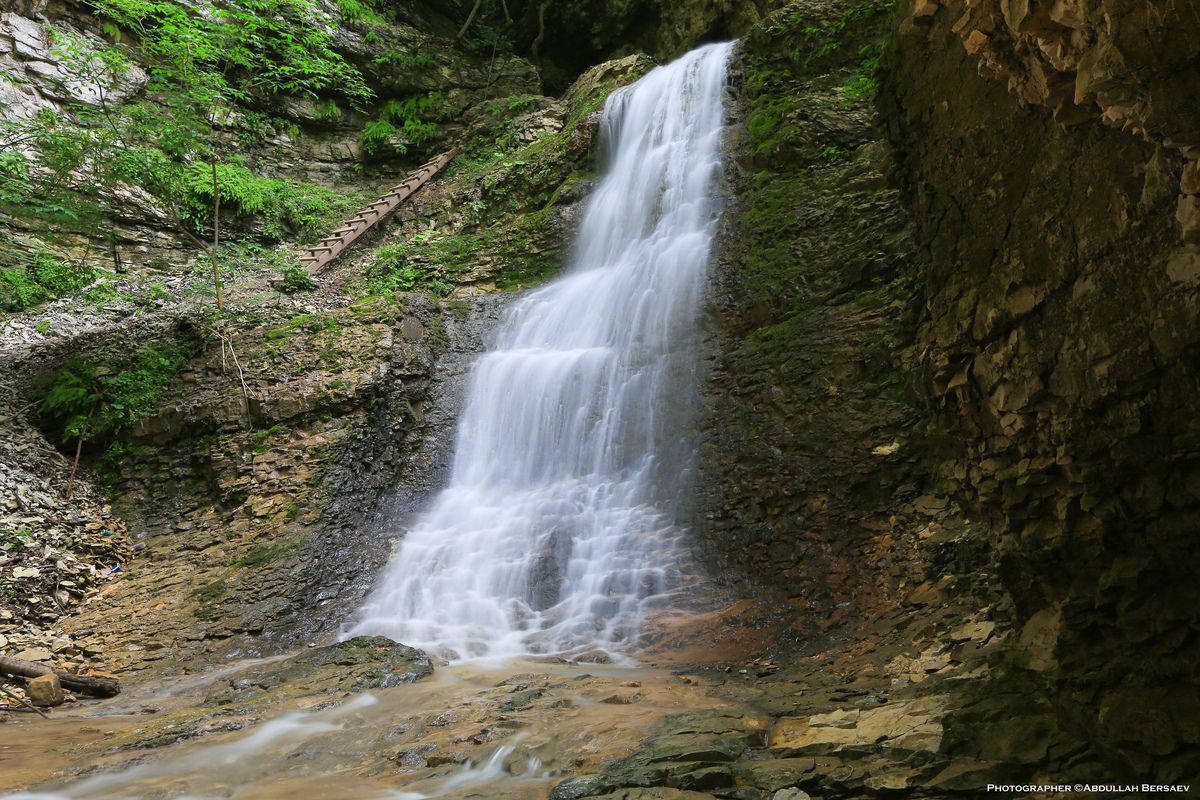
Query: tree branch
[541,34]
[470,18]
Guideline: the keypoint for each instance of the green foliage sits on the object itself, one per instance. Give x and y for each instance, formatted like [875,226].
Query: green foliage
[237,185]
[863,83]
[59,277]
[368,11]
[86,400]
[768,121]
[296,279]
[437,336]
[288,209]
[103,292]
[395,269]
[18,291]
[860,86]
[305,211]
[794,46]
[231,49]
[202,59]
[404,60]
[313,323]
[329,111]
[404,123]
[18,539]
[38,158]
[832,152]
[797,155]
[154,293]
[45,277]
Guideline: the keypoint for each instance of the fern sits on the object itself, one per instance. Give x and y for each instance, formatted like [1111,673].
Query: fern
[414,118]
[87,402]
[237,185]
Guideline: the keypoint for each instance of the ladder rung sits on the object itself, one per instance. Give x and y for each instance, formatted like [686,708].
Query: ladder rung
[366,218]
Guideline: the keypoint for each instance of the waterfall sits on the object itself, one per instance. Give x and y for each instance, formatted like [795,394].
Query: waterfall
[555,533]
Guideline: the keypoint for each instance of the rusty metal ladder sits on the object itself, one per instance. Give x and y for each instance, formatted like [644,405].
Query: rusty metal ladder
[339,240]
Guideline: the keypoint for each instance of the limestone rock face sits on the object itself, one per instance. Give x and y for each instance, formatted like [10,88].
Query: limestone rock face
[1129,64]
[1049,159]
[33,77]
[913,725]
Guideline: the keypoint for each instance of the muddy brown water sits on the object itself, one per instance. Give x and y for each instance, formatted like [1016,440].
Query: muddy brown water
[501,730]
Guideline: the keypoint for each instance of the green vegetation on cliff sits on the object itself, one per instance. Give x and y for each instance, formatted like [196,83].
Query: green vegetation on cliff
[89,401]
[157,108]
[45,277]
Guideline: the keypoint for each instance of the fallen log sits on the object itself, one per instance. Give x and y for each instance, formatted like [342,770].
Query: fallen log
[83,684]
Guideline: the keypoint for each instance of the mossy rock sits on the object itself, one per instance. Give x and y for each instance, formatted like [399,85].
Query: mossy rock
[358,664]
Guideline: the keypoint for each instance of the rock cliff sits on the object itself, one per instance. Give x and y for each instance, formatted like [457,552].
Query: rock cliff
[1047,155]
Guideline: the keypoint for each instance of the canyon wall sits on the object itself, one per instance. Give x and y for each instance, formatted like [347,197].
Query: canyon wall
[1047,155]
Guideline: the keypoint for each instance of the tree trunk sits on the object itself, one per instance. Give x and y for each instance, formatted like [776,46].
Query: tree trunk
[541,34]
[212,256]
[84,684]
[470,18]
[78,452]
[75,465]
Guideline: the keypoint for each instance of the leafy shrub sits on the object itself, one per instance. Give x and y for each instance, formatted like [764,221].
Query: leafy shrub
[863,84]
[329,111]
[305,211]
[58,277]
[300,210]
[354,11]
[296,279]
[238,186]
[18,291]
[394,270]
[44,278]
[411,121]
[86,400]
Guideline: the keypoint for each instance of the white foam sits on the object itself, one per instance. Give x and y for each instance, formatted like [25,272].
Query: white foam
[555,533]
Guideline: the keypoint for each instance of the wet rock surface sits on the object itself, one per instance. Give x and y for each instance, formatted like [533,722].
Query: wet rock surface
[1058,345]
[361,663]
[847,721]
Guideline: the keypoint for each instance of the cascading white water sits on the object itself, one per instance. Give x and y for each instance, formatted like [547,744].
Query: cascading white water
[555,533]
